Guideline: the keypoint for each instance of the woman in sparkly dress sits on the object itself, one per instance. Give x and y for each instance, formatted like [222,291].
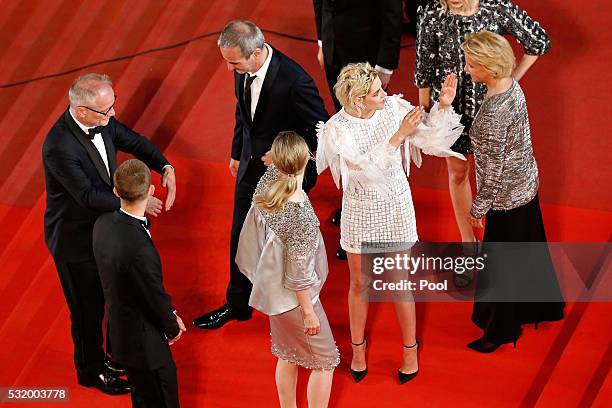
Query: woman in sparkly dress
[442,27]
[519,281]
[368,146]
[282,253]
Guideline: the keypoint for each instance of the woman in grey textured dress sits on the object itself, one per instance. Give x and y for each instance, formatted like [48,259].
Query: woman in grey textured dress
[282,253]
[521,288]
[443,25]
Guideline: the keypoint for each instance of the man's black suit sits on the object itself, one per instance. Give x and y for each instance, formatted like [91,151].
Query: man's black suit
[140,314]
[79,189]
[289,100]
[358,31]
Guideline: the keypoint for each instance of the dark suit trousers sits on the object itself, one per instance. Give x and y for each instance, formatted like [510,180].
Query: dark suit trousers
[83,292]
[331,74]
[239,287]
[154,388]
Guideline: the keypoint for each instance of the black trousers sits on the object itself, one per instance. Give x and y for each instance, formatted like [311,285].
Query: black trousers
[154,388]
[83,292]
[239,287]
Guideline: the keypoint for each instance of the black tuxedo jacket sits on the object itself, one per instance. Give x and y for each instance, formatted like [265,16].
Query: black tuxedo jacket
[289,100]
[359,31]
[139,310]
[79,188]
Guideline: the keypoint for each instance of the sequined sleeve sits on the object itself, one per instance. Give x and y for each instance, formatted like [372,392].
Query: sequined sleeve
[264,183]
[301,243]
[491,156]
[526,30]
[426,49]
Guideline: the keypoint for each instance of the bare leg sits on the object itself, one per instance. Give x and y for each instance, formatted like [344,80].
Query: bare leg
[461,195]
[286,383]
[358,312]
[319,388]
[406,316]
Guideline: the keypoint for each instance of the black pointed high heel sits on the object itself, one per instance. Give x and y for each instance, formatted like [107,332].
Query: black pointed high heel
[482,346]
[405,377]
[359,375]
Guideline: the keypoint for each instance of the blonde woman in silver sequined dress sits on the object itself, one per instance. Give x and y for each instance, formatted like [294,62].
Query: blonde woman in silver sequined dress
[507,196]
[282,253]
[368,146]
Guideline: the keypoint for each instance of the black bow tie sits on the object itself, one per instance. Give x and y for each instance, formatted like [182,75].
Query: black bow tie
[146,223]
[92,132]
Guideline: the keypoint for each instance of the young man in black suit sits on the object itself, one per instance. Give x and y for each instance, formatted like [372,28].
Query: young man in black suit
[273,93]
[79,157]
[142,320]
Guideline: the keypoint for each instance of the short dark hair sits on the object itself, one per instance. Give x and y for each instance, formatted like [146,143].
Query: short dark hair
[132,180]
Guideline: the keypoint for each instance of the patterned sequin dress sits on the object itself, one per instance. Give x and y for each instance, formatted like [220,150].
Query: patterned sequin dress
[377,209]
[439,36]
[282,253]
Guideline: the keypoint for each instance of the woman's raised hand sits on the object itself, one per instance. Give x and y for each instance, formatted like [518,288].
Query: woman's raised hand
[448,91]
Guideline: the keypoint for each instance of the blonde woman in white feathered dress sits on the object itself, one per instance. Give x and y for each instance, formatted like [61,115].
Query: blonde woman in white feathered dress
[368,146]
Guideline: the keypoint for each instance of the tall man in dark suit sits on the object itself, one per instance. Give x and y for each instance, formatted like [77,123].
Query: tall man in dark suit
[142,320]
[357,31]
[79,157]
[273,94]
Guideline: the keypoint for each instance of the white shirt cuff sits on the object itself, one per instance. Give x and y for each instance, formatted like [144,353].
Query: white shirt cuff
[320,43]
[383,70]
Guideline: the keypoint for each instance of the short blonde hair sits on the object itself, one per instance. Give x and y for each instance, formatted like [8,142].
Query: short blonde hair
[492,51]
[289,155]
[354,81]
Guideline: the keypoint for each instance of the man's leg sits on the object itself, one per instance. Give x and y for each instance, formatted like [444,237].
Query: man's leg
[83,292]
[154,388]
[239,287]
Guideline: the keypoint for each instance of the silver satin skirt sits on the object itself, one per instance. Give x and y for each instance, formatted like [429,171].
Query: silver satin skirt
[290,343]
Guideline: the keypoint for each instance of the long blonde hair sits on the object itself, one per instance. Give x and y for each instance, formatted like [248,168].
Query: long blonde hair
[290,154]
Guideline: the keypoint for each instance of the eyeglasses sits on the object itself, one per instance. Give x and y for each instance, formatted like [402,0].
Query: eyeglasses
[102,113]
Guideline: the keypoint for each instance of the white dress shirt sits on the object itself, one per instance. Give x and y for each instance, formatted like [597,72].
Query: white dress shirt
[144,219]
[97,141]
[258,82]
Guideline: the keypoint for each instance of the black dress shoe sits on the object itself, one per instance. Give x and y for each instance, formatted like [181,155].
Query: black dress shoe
[217,318]
[336,217]
[341,254]
[106,382]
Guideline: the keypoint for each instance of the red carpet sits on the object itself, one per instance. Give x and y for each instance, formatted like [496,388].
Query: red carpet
[182,99]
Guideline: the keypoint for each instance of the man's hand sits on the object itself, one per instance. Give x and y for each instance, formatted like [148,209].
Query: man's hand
[169,182]
[267,158]
[320,58]
[475,222]
[182,329]
[233,166]
[384,79]
[154,206]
